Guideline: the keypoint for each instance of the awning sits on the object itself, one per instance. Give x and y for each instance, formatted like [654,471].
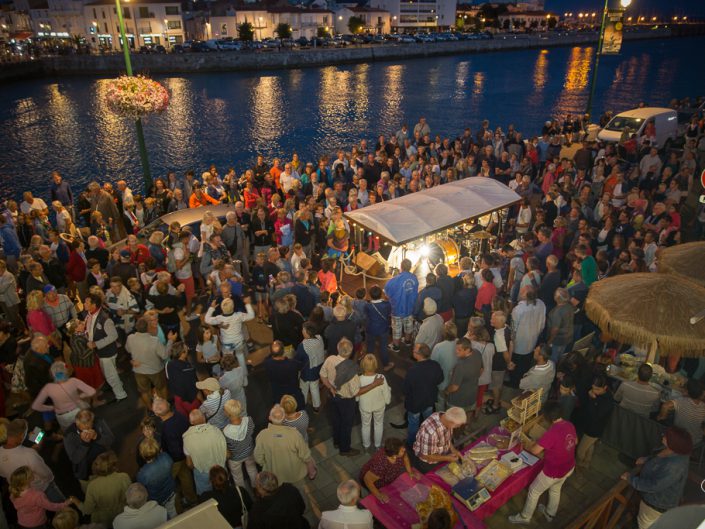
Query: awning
[21,35]
[412,216]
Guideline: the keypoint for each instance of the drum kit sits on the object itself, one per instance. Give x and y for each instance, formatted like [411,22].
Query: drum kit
[457,243]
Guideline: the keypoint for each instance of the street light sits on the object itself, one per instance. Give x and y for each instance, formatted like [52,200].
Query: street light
[146,173]
[600,41]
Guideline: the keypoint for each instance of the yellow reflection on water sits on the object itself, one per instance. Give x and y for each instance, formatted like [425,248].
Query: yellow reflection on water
[362,94]
[392,95]
[573,97]
[267,110]
[180,137]
[334,94]
[115,135]
[541,70]
[477,94]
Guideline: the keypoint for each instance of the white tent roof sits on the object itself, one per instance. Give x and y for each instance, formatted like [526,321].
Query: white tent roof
[412,216]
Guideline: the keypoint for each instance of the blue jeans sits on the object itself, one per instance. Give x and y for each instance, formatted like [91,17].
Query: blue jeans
[203,483]
[556,352]
[53,493]
[415,420]
[377,344]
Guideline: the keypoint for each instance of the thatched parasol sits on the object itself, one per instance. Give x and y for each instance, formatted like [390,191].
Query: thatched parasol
[685,260]
[650,310]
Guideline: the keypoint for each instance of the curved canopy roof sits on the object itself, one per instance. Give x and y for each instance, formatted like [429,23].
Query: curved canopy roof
[412,216]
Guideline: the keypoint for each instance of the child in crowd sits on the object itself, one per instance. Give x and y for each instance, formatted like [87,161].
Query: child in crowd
[327,278]
[32,504]
[207,350]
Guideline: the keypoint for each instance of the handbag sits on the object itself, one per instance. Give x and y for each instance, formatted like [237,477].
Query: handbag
[244,517]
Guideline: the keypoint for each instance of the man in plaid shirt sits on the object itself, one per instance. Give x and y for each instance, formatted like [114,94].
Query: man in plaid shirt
[434,441]
[59,308]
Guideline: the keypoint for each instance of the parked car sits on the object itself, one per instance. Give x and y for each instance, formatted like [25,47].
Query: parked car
[289,43]
[407,39]
[378,39]
[146,49]
[212,44]
[159,49]
[198,46]
[178,48]
[303,42]
[231,45]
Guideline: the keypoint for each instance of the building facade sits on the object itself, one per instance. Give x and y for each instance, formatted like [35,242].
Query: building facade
[147,23]
[412,15]
[304,22]
[375,20]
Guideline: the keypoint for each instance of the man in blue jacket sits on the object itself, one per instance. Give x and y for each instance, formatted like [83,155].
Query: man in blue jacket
[402,292]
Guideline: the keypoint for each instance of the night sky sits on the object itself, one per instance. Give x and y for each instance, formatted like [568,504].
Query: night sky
[639,7]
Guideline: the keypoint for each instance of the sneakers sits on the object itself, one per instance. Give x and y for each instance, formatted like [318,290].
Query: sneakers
[542,509]
[393,348]
[518,519]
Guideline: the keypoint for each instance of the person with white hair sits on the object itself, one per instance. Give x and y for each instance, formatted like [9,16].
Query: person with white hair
[204,447]
[139,513]
[231,324]
[431,329]
[282,450]
[347,515]
[434,440]
[65,393]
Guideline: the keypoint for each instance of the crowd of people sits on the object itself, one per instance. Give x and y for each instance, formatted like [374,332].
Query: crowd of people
[90,297]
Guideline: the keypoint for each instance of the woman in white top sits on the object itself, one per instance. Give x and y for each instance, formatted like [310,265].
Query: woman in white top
[208,226]
[231,324]
[66,395]
[480,341]
[373,403]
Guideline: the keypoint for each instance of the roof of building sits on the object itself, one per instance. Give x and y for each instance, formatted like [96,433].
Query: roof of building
[135,3]
[367,9]
[297,10]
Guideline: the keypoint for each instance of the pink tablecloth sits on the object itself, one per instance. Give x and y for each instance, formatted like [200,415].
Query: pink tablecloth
[398,514]
[515,483]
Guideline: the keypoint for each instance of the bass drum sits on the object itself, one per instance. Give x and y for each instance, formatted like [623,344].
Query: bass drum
[444,251]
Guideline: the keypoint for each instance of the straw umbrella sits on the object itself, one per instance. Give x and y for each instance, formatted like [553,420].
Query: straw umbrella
[650,310]
[684,260]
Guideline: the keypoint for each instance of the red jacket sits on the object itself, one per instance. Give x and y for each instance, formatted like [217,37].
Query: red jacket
[76,267]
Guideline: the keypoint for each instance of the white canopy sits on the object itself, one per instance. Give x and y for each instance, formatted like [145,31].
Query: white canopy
[412,216]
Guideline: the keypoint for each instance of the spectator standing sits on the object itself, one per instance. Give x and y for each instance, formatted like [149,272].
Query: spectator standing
[528,321]
[278,505]
[595,416]
[204,447]
[402,291]
[156,475]
[638,395]
[233,502]
[105,493]
[373,403]
[558,448]
[140,512]
[347,515]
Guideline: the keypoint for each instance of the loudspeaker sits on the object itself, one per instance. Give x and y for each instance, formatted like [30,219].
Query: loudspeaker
[369,264]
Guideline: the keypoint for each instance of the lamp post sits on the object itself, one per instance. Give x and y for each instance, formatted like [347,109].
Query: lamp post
[600,41]
[146,173]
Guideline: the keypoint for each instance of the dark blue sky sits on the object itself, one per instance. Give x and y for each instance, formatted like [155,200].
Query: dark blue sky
[659,7]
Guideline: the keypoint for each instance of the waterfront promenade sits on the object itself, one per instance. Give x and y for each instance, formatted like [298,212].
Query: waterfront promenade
[301,58]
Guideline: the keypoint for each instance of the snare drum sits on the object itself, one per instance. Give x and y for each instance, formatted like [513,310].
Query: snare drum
[444,251]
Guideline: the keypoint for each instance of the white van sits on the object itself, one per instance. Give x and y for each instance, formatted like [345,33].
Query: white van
[665,121]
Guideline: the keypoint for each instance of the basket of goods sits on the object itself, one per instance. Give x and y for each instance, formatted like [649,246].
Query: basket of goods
[437,499]
[493,475]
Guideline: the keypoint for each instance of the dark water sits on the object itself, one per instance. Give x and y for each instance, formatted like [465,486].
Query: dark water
[228,118]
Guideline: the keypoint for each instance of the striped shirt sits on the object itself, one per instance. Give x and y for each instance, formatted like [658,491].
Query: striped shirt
[240,447]
[300,423]
[214,408]
[62,312]
[639,398]
[689,414]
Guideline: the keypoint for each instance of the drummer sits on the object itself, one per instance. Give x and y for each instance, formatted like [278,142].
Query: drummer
[434,440]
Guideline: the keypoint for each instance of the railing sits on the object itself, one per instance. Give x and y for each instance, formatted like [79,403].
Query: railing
[612,511]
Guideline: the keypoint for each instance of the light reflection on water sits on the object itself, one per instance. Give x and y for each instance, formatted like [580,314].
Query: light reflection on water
[228,118]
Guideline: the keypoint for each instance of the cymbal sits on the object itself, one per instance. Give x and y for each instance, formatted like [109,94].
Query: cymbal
[481,235]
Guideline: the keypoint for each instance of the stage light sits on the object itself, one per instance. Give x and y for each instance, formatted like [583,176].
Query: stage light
[425,250]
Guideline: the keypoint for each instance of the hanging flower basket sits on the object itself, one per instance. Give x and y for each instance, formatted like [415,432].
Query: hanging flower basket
[136,96]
